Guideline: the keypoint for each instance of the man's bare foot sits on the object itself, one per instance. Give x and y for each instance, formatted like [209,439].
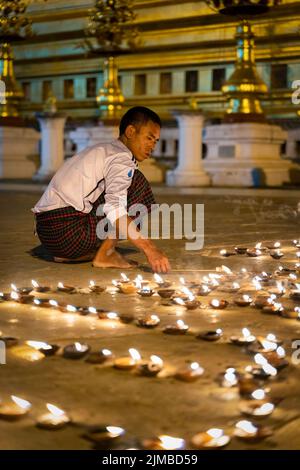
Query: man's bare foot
[111,260]
[87,257]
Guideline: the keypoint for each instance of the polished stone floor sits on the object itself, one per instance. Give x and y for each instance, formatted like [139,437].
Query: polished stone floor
[149,406]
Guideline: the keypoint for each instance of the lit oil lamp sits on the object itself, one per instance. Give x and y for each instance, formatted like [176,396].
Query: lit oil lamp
[211,335]
[264,300]
[278,290]
[266,344]
[148,321]
[296,243]
[264,370]
[255,252]
[125,287]
[212,439]
[128,362]
[227,253]
[21,290]
[75,350]
[277,358]
[164,442]
[275,307]
[160,281]
[5,296]
[55,419]
[247,383]
[295,294]
[276,254]
[230,378]
[203,290]
[243,300]
[103,434]
[90,311]
[292,314]
[38,288]
[190,373]
[21,298]
[44,303]
[179,328]
[145,291]
[99,357]
[15,409]
[218,304]
[247,431]
[45,348]
[93,287]
[67,289]
[240,250]
[273,246]
[259,409]
[151,368]
[284,271]
[244,340]
[67,308]
[230,288]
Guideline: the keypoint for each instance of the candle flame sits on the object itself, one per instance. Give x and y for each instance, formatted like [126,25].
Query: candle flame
[156,360]
[158,278]
[106,352]
[215,433]
[112,316]
[60,285]
[280,351]
[271,336]
[55,410]
[154,317]
[92,310]
[34,283]
[21,403]
[182,280]
[115,431]
[54,303]
[14,287]
[79,347]
[246,426]
[135,354]
[258,394]
[277,244]
[171,443]
[38,345]
[258,246]
[71,308]
[226,269]
[247,298]
[124,277]
[298,286]
[179,301]
[194,365]
[268,345]
[215,303]
[14,295]
[270,370]
[246,332]
[223,252]
[92,284]
[180,324]
[264,409]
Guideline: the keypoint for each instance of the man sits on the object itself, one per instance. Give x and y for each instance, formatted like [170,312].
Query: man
[105,174]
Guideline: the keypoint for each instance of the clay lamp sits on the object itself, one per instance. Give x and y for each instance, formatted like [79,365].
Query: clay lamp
[75,350]
[218,304]
[163,442]
[211,335]
[189,373]
[244,340]
[15,409]
[230,288]
[240,250]
[66,289]
[45,348]
[148,321]
[99,357]
[103,434]
[247,431]
[166,293]
[93,287]
[179,328]
[212,439]
[21,290]
[276,254]
[243,300]
[151,368]
[37,288]
[128,362]
[227,253]
[55,419]
[21,298]
[161,282]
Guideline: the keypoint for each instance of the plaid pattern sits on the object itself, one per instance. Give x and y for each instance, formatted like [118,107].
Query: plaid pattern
[68,233]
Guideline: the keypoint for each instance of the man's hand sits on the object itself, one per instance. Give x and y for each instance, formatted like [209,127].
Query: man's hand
[158,260]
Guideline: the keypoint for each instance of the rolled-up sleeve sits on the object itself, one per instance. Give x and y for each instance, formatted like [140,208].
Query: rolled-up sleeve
[118,175]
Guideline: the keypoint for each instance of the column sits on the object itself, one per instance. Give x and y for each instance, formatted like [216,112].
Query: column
[52,152]
[189,171]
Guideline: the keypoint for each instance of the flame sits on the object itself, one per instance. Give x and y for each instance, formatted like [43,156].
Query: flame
[277,244]
[258,394]
[36,301]
[92,309]
[246,333]
[280,286]
[154,317]
[34,283]
[219,331]
[92,284]
[215,433]
[182,280]
[226,269]
[247,298]
[54,303]
[135,354]
[271,337]
[223,252]
[14,287]
[265,408]
[180,324]
[298,286]
[26,405]
[258,246]
[38,345]
[55,410]
[179,301]
[79,347]
[215,303]
[158,278]
[156,360]
[60,285]
[270,370]
[246,426]
[112,316]
[171,443]
[106,352]
[115,431]
[71,308]
[14,295]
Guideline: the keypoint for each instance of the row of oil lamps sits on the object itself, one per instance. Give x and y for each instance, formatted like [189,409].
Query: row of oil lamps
[273,249]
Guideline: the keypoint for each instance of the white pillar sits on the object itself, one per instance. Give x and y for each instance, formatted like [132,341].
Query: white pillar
[52,152]
[189,171]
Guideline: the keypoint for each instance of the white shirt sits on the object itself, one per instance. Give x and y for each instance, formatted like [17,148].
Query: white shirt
[84,177]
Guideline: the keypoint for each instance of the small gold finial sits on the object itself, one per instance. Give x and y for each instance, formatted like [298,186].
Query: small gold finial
[50,105]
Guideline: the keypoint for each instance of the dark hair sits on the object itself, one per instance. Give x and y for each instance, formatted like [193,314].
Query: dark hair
[138,115]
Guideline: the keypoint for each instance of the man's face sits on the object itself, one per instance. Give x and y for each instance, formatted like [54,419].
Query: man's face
[142,139]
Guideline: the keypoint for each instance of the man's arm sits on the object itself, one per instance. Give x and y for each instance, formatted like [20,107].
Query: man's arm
[157,259]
